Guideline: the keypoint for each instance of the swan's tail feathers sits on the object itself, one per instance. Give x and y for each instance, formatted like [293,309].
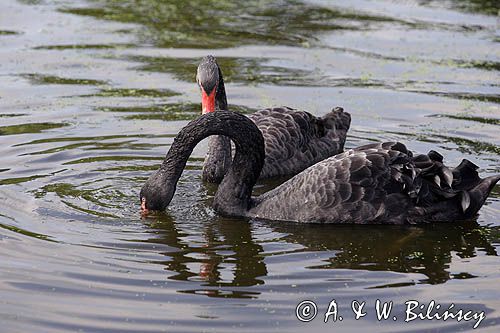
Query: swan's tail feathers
[340,119]
[445,194]
[465,176]
[473,200]
[335,125]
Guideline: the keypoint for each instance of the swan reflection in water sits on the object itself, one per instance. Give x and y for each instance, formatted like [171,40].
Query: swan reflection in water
[231,257]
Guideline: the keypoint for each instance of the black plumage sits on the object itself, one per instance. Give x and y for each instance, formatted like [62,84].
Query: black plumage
[294,139]
[381,183]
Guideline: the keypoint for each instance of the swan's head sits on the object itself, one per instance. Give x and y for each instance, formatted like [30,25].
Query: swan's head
[207,77]
[156,194]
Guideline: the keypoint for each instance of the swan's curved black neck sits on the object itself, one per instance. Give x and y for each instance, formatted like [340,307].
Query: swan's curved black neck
[220,95]
[234,193]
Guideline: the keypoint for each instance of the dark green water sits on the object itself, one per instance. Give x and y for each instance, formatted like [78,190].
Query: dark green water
[93,92]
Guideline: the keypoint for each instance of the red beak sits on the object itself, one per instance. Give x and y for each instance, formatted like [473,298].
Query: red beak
[207,101]
[143,207]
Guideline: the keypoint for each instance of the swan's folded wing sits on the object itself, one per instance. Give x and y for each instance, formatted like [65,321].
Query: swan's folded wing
[378,183]
[346,188]
[295,140]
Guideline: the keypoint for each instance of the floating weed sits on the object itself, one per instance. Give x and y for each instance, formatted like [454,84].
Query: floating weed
[29,128]
[85,46]
[130,92]
[52,79]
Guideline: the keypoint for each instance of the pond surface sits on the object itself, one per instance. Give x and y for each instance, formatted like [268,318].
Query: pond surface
[93,92]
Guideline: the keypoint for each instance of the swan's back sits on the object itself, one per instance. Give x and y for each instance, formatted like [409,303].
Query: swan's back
[378,183]
[295,140]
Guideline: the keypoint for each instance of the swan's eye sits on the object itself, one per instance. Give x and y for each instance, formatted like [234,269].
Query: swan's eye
[143,200]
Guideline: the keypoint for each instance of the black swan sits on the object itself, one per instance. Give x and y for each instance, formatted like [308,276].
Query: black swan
[376,183]
[294,140]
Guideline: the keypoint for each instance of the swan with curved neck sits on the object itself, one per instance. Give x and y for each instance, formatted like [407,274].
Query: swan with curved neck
[233,196]
[293,140]
[376,183]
